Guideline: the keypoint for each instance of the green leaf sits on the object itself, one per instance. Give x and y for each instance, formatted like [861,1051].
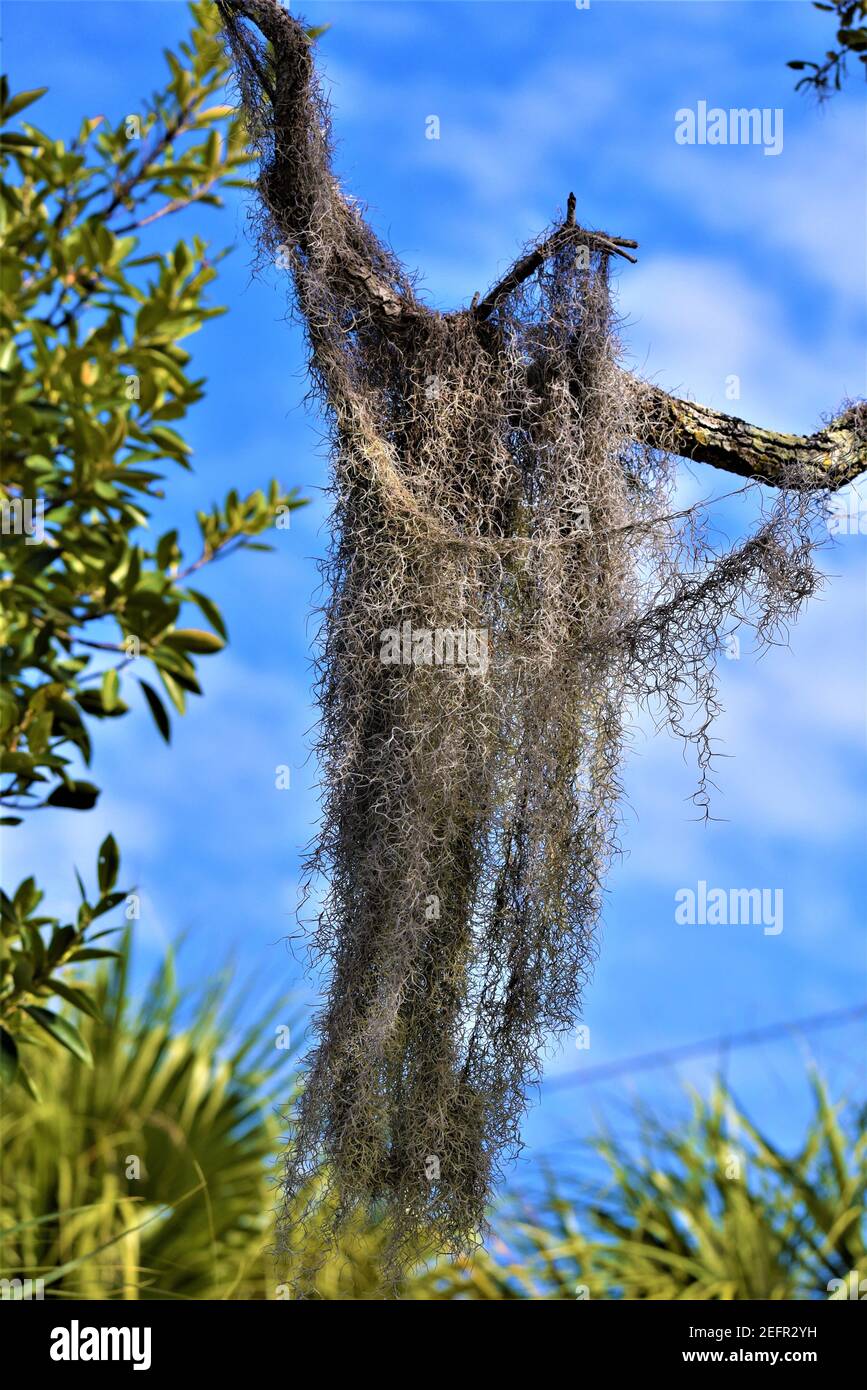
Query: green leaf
[27,897]
[8,1057]
[108,903]
[171,441]
[77,796]
[95,953]
[210,611]
[174,691]
[37,949]
[109,689]
[61,940]
[62,1031]
[158,710]
[22,974]
[25,1080]
[19,763]
[854,39]
[76,997]
[18,103]
[194,639]
[167,549]
[92,703]
[108,863]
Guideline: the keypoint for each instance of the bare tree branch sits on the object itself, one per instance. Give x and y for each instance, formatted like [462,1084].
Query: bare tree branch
[831,458]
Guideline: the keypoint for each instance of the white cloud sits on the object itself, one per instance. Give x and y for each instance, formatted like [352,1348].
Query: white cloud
[792,736]
[694,321]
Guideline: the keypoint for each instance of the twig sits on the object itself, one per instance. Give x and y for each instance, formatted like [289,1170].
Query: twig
[176,205]
[565,236]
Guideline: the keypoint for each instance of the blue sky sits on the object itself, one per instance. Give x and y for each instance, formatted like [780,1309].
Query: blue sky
[750,266]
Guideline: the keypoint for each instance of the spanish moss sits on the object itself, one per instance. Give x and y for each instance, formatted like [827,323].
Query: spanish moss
[508,580]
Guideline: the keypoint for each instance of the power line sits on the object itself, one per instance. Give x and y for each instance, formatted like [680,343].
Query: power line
[753,1036]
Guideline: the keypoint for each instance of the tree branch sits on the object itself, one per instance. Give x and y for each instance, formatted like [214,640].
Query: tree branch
[176,205]
[830,458]
[567,235]
[298,186]
[311,211]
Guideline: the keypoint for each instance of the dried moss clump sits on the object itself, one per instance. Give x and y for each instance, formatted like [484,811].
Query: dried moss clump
[506,579]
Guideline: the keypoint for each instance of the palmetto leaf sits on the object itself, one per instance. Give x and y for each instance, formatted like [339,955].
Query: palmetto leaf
[161,1153]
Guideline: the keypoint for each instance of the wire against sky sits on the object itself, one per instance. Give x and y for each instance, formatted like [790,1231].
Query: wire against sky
[750,1038]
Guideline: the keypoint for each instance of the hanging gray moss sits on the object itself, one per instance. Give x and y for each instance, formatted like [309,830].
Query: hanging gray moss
[507,579]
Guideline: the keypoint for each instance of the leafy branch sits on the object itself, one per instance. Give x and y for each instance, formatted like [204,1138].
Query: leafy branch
[828,75]
[34,949]
[94,383]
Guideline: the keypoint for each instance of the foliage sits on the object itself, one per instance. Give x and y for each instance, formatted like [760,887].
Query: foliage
[712,1210]
[33,967]
[95,382]
[707,1210]
[96,385]
[827,76]
[186,1090]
